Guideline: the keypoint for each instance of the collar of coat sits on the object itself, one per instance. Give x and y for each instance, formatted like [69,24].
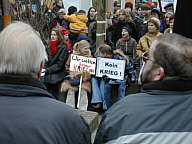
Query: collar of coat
[22,85]
[169,85]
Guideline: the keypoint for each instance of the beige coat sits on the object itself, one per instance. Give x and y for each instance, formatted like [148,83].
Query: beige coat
[145,43]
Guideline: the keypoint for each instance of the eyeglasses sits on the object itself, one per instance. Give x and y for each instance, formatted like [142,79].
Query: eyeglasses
[146,57]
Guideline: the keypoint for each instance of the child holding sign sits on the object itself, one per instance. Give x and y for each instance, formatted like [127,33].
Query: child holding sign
[102,86]
[73,79]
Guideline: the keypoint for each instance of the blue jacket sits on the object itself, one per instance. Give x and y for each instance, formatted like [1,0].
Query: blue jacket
[161,114]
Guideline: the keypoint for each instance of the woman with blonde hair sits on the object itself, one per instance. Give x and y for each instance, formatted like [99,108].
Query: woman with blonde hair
[72,81]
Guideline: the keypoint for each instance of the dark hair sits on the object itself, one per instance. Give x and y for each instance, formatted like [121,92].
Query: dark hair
[81,12]
[72,10]
[173,52]
[88,14]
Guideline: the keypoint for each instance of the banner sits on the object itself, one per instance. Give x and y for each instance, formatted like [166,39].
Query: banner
[112,68]
[81,63]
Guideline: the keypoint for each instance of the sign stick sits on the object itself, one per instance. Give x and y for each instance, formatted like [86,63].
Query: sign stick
[79,95]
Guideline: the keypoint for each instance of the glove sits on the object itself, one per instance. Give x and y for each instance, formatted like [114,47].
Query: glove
[105,78]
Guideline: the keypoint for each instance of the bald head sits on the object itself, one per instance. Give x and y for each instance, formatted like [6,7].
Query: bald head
[21,49]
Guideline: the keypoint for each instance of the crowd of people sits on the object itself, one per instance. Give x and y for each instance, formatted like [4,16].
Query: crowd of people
[35,78]
[129,33]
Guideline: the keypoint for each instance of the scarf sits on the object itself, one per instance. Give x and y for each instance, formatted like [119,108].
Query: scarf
[126,38]
[69,46]
[53,47]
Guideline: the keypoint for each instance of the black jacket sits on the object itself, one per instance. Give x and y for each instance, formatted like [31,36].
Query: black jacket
[116,30]
[29,115]
[161,114]
[55,66]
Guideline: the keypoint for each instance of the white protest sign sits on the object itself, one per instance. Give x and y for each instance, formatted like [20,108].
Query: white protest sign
[112,68]
[81,63]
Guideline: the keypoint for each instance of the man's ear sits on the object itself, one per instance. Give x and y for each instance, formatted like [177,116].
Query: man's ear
[158,74]
[41,67]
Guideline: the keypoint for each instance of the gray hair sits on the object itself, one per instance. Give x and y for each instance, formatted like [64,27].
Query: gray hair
[174,53]
[21,49]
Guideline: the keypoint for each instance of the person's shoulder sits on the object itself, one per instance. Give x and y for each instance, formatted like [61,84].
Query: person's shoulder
[130,101]
[120,40]
[133,40]
[61,112]
[159,33]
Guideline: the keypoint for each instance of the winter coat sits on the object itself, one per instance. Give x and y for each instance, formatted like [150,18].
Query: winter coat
[127,46]
[77,23]
[145,43]
[92,32]
[55,66]
[86,84]
[90,21]
[141,26]
[160,114]
[30,115]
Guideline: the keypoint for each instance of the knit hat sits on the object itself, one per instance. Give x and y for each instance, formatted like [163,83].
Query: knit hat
[62,29]
[155,21]
[149,4]
[155,10]
[129,4]
[145,7]
[168,5]
[128,29]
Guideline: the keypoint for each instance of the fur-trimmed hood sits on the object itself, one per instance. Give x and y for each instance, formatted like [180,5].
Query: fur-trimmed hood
[120,52]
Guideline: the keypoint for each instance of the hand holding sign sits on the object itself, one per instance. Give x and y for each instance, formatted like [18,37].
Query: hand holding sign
[81,64]
[110,67]
[80,67]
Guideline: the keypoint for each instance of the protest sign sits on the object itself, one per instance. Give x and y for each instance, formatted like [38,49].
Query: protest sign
[112,68]
[81,63]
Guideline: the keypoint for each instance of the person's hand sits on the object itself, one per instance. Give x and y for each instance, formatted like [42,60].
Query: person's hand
[86,76]
[74,75]
[105,78]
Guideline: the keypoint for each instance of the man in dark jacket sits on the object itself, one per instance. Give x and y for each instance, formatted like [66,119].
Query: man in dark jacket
[162,112]
[29,114]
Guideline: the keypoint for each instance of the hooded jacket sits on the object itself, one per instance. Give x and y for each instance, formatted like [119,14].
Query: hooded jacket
[77,23]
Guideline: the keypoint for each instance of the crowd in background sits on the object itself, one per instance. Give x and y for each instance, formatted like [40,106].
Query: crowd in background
[129,34]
